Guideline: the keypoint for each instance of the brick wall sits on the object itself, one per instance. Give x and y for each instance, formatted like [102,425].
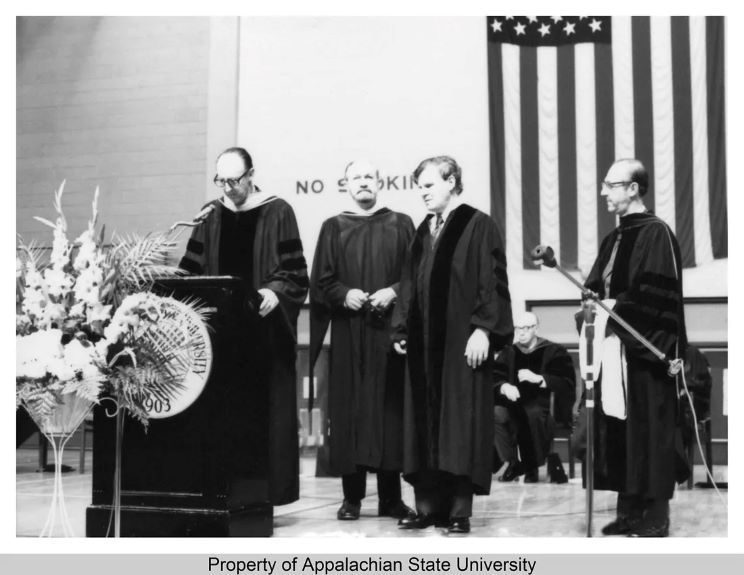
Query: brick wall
[118,102]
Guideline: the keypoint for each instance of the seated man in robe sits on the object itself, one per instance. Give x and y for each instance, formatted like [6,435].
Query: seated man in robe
[525,375]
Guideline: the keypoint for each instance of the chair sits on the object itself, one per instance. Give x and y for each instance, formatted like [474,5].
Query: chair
[562,431]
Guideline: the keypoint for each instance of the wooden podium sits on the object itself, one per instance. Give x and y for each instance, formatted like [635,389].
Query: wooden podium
[202,472]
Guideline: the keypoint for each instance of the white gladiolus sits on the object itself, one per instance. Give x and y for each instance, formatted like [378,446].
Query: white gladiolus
[58,282]
[99,312]
[60,248]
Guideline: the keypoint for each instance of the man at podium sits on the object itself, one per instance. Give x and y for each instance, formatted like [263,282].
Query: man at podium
[253,235]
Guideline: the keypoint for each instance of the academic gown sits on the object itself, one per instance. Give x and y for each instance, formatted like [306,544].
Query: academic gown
[365,386]
[266,252]
[552,362]
[642,455]
[449,288]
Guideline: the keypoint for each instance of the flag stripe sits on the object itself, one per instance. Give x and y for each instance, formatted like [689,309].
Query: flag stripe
[547,118]
[663,98]
[622,84]
[716,134]
[642,98]
[699,104]
[586,156]
[683,138]
[512,156]
[567,157]
[496,110]
[530,153]
[603,71]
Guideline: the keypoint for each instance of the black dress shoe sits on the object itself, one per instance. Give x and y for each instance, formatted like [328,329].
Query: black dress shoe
[397,510]
[650,528]
[348,511]
[555,469]
[419,521]
[622,525]
[531,476]
[459,525]
[512,473]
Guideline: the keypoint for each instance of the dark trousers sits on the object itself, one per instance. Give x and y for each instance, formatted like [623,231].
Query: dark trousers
[637,507]
[388,485]
[441,493]
[529,427]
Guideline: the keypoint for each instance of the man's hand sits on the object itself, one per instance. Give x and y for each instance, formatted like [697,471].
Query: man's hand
[511,392]
[268,303]
[355,299]
[382,298]
[400,347]
[476,349]
[530,376]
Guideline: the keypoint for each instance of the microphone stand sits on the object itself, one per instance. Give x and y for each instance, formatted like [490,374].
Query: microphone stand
[587,307]
[544,255]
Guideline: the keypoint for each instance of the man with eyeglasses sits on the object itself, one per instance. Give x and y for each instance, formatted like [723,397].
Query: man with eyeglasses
[638,452]
[526,373]
[253,235]
[354,285]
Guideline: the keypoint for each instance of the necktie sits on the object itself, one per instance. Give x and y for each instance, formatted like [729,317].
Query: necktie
[437,226]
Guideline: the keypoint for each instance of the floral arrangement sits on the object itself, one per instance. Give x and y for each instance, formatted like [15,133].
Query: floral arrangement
[86,326]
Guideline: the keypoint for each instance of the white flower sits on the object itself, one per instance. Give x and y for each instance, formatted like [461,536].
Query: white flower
[34,279]
[58,282]
[35,351]
[31,369]
[101,348]
[99,312]
[78,356]
[19,267]
[60,247]
[87,286]
[60,369]
[88,251]
[53,313]
[22,322]
[78,310]
[34,302]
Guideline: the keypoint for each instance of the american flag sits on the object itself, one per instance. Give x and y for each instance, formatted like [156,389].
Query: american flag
[570,94]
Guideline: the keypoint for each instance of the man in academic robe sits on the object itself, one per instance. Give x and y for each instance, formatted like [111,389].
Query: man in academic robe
[354,285]
[253,235]
[526,374]
[454,311]
[638,448]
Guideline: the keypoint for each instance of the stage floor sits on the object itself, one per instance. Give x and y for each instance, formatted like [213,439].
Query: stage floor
[511,510]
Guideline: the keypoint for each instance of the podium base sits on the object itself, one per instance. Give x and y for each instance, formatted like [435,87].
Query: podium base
[250,521]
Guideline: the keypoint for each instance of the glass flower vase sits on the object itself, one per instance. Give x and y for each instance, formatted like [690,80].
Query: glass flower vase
[58,426]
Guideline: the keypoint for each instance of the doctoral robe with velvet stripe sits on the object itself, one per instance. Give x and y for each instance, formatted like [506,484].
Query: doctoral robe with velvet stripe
[530,414]
[276,262]
[449,288]
[365,380]
[642,455]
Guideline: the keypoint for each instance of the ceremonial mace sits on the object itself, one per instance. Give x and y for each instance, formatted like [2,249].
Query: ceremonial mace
[544,255]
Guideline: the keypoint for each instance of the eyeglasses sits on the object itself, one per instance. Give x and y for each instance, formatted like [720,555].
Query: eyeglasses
[611,185]
[232,182]
[525,327]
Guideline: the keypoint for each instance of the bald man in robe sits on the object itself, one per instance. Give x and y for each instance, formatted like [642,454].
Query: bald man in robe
[525,375]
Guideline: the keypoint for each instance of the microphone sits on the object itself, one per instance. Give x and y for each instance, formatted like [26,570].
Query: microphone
[198,218]
[543,255]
